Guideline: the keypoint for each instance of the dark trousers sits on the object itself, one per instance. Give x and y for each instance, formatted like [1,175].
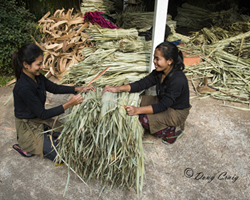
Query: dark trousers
[48,150]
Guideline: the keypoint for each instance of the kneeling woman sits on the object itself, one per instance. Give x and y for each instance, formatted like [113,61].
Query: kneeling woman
[31,117]
[161,114]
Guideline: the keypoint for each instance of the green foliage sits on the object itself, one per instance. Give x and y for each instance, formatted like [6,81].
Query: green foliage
[16,28]
[4,79]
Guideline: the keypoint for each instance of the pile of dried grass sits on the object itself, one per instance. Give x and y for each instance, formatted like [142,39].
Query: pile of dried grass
[100,141]
[197,17]
[226,62]
[66,35]
[124,68]
[105,6]
[95,142]
[139,20]
[224,49]
[126,55]
[101,34]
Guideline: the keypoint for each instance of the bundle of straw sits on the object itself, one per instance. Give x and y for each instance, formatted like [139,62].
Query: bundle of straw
[127,44]
[105,6]
[192,16]
[123,68]
[102,34]
[227,64]
[100,141]
[176,36]
[139,20]
[197,17]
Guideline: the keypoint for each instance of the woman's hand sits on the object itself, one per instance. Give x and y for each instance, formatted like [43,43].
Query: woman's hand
[73,101]
[109,88]
[76,99]
[131,110]
[85,89]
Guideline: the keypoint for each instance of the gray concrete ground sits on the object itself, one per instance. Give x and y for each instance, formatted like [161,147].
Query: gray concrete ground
[210,161]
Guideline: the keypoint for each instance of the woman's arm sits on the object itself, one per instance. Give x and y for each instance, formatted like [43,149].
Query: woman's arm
[62,89]
[137,86]
[114,89]
[31,105]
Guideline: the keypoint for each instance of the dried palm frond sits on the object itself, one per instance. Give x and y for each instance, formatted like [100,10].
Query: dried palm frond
[96,33]
[226,62]
[123,68]
[101,141]
[139,20]
[105,6]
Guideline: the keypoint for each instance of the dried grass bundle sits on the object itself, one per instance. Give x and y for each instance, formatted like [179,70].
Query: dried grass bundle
[197,18]
[100,141]
[127,44]
[228,73]
[139,20]
[102,34]
[226,62]
[105,6]
[123,68]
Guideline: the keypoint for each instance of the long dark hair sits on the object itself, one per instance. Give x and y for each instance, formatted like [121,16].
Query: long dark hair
[27,53]
[170,51]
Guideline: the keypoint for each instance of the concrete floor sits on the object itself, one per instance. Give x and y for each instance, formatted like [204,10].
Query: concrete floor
[210,161]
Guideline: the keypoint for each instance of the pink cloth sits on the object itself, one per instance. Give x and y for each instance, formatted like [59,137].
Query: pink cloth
[98,18]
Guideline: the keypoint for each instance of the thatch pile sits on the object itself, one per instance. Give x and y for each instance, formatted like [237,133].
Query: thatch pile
[66,35]
[109,49]
[226,60]
[227,63]
[197,18]
[119,72]
[139,20]
[100,5]
[100,141]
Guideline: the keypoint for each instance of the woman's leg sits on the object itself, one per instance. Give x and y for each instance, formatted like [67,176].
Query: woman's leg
[48,150]
[168,134]
[54,134]
[144,121]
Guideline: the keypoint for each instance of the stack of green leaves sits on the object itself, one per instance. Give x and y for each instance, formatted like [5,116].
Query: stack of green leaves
[105,6]
[124,68]
[101,34]
[100,141]
[226,61]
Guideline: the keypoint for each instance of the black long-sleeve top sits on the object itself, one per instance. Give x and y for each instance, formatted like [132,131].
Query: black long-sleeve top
[30,97]
[172,92]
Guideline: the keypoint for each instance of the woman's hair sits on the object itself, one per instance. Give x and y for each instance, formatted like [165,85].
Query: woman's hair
[170,51]
[27,53]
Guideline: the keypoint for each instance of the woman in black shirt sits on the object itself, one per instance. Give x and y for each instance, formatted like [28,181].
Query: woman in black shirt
[161,114]
[31,117]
